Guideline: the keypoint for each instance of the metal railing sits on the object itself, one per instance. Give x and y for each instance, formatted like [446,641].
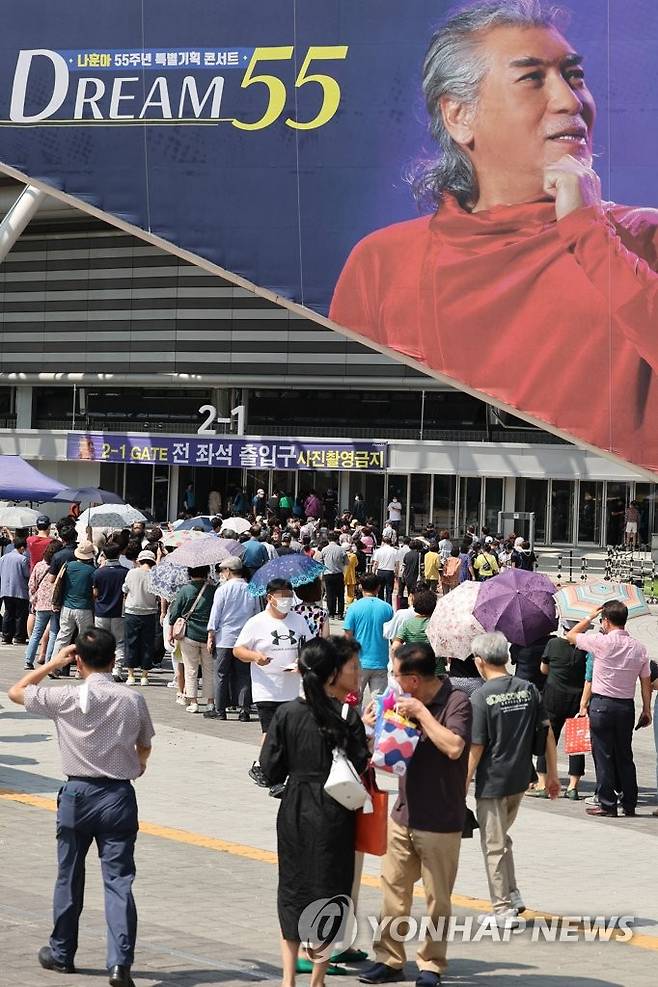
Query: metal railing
[616,565]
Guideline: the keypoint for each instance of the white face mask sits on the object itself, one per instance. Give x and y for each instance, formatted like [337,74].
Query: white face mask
[283,604]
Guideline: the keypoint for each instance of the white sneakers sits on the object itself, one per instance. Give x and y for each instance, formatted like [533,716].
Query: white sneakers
[517,902]
[505,919]
[130,679]
[180,699]
[192,708]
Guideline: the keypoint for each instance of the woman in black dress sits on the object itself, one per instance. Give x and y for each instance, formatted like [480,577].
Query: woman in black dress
[315,834]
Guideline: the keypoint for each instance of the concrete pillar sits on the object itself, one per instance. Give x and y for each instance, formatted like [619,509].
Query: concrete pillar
[174,474]
[244,400]
[221,399]
[509,493]
[23,405]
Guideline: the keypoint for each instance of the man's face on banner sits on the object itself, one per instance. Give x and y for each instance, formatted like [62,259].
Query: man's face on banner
[534,107]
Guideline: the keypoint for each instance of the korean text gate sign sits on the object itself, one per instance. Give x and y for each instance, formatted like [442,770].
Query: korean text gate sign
[224,452]
[278,143]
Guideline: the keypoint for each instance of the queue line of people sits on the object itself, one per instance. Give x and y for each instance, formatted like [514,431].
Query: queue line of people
[466,735]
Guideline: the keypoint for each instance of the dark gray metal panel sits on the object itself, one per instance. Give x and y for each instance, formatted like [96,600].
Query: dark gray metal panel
[120,333]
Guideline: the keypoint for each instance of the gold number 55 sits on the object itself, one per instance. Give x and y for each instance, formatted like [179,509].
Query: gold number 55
[277,90]
[330,87]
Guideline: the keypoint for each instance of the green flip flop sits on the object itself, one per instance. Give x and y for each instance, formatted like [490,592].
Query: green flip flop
[305,966]
[350,955]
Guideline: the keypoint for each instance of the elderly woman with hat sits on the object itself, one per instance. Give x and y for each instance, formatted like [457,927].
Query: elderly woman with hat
[191,606]
[141,608]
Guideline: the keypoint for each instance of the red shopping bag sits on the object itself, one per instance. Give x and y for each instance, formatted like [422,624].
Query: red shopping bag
[372,827]
[576,736]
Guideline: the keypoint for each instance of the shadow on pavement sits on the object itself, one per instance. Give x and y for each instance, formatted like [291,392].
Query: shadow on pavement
[20,714]
[26,738]
[16,759]
[475,973]
[28,782]
[190,978]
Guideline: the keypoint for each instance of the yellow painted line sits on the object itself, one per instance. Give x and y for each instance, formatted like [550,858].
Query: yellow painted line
[268,857]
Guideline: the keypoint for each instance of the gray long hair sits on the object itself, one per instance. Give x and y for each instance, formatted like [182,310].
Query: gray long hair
[455,66]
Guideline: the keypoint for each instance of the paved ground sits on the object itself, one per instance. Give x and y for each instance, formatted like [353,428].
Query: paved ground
[207,876]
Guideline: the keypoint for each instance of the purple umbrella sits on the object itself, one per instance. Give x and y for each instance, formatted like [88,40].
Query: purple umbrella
[521,604]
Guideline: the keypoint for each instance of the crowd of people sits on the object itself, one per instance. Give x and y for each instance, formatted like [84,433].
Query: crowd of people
[95,614]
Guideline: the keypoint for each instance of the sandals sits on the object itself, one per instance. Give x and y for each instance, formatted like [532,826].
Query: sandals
[306,966]
[350,955]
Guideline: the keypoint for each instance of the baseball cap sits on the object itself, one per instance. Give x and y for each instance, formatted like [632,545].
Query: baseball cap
[146,556]
[232,562]
[43,521]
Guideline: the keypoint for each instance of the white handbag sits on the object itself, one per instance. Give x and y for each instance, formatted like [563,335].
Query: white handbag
[344,784]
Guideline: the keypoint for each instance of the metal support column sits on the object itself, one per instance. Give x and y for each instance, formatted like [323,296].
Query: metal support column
[18,216]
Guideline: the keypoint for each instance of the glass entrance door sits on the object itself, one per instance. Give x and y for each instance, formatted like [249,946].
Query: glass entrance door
[617,498]
[589,511]
[470,502]
[562,496]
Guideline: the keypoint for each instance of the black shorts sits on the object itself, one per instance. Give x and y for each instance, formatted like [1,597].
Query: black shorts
[265,713]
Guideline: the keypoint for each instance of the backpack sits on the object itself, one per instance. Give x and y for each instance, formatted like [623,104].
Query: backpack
[58,588]
[451,567]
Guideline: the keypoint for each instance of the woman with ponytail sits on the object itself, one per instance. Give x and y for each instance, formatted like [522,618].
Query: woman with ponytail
[315,834]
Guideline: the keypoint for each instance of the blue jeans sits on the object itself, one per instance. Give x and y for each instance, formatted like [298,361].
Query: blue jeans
[43,618]
[104,811]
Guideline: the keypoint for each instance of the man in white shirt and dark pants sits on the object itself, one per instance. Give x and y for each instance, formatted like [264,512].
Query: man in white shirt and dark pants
[104,732]
[395,513]
[384,565]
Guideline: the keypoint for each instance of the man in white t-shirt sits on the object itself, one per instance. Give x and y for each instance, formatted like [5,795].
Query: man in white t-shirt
[384,564]
[395,512]
[271,641]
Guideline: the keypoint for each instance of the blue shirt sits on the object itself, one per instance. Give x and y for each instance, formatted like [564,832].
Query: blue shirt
[589,667]
[366,619]
[232,607]
[254,554]
[14,574]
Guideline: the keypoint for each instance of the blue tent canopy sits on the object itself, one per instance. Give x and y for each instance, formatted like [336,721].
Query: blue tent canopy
[20,481]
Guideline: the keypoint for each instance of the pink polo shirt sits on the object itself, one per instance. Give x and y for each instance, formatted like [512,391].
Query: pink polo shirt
[619,660]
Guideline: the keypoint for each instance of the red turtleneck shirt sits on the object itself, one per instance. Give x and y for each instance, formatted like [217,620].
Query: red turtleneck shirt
[558,319]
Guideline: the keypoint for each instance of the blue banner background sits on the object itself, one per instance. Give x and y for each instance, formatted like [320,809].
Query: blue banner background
[280,207]
[225,452]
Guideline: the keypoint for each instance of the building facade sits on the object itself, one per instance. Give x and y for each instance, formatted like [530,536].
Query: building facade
[104,335]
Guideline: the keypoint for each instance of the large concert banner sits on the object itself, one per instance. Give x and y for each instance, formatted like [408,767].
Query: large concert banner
[473,193]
